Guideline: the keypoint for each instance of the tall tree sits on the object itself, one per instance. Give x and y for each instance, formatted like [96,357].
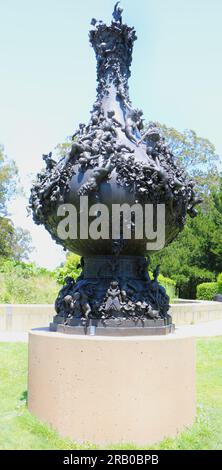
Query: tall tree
[8,180]
[197,155]
[196,255]
[15,243]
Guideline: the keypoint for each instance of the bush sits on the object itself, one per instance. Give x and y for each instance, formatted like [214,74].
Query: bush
[26,270]
[219,282]
[168,284]
[69,269]
[207,290]
[192,277]
[22,283]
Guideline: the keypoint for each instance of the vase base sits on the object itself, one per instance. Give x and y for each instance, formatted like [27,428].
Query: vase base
[115,327]
[113,292]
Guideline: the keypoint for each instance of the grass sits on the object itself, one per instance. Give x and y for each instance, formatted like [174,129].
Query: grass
[20,430]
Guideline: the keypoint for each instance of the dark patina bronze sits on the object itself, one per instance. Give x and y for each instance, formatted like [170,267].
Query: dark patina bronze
[113,160]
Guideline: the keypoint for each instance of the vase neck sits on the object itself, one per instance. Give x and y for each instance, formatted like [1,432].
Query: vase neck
[113,46]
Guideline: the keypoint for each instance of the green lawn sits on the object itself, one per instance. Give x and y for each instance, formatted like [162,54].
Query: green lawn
[20,430]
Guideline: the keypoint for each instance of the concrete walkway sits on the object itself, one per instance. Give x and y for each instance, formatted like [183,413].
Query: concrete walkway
[211,328]
[13,337]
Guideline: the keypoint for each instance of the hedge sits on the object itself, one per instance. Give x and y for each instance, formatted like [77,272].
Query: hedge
[207,290]
[219,283]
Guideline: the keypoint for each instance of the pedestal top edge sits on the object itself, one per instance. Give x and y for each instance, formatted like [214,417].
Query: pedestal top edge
[45,332]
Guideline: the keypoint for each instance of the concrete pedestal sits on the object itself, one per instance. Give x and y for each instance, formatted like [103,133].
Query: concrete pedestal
[112,389]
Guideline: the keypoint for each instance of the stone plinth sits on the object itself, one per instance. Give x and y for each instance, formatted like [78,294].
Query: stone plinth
[112,389]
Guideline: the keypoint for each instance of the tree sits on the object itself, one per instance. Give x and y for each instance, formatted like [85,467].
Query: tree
[6,234]
[71,268]
[8,180]
[197,155]
[21,244]
[15,243]
[215,215]
[196,255]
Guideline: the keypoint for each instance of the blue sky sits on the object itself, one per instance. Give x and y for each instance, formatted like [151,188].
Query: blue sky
[48,77]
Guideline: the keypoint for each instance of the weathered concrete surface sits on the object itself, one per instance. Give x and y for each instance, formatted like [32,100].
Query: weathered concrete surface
[109,390]
[187,313]
[23,318]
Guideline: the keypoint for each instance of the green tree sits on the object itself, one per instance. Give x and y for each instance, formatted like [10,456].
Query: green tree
[71,268]
[196,255]
[197,155]
[6,234]
[8,180]
[15,243]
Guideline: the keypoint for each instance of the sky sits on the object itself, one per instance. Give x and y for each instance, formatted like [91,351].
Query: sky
[48,78]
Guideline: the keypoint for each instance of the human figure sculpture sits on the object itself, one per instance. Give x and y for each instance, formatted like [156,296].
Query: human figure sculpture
[117,14]
[113,298]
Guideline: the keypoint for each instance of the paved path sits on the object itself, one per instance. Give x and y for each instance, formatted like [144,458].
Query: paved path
[211,328]
[11,337]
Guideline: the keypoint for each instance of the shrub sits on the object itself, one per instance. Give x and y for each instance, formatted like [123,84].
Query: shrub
[23,283]
[69,269]
[188,281]
[219,282]
[169,285]
[207,290]
[26,270]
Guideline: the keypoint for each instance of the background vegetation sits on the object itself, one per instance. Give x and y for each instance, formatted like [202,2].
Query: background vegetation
[15,243]
[196,255]
[25,283]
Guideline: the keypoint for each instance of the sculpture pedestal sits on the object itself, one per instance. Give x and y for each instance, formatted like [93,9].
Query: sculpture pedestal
[108,390]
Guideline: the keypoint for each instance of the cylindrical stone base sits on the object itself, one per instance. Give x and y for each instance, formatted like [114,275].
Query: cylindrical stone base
[107,390]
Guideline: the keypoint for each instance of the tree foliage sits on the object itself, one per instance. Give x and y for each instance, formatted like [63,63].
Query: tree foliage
[24,283]
[71,268]
[196,255]
[8,180]
[15,243]
[197,155]
[207,290]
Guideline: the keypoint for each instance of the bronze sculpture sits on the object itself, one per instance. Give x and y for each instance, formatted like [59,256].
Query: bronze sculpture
[113,160]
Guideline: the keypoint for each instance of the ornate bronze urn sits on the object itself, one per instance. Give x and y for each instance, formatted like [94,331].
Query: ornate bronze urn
[113,161]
